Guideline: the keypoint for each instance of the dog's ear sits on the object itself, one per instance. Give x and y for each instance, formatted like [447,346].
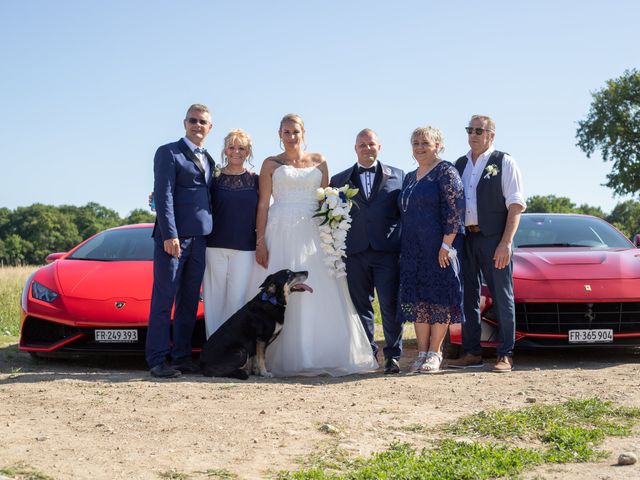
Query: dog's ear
[266,282]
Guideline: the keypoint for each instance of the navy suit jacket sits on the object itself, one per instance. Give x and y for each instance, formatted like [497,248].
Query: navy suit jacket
[376,220]
[181,193]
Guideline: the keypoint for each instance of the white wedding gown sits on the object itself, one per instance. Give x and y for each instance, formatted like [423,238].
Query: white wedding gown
[322,333]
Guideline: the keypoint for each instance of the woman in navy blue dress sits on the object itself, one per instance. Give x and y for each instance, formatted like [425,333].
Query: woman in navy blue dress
[432,210]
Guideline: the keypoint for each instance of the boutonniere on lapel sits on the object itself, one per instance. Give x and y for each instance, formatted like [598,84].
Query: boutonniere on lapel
[216,172]
[492,171]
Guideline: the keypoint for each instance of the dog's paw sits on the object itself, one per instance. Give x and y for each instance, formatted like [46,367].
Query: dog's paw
[266,374]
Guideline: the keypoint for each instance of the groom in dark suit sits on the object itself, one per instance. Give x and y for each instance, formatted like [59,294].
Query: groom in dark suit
[182,175]
[373,243]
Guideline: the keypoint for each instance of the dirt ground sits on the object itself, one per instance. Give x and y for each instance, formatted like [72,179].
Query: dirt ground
[107,419]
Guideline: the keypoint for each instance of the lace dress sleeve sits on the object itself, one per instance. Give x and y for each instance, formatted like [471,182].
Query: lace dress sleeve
[452,202]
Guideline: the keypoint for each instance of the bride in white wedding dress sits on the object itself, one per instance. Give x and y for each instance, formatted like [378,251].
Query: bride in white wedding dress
[322,333]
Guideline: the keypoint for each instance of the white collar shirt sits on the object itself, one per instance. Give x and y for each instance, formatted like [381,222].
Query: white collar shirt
[511,183]
[204,162]
[367,178]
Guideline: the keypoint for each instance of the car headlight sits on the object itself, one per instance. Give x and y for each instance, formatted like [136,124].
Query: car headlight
[43,293]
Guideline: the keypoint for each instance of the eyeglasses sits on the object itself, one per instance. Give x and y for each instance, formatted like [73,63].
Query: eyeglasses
[476,130]
[193,121]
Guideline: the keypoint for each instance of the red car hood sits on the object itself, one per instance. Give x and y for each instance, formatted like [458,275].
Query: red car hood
[92,280]
[576,264]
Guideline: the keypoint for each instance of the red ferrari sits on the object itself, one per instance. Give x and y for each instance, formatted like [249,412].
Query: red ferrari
[576,283]
[94,298]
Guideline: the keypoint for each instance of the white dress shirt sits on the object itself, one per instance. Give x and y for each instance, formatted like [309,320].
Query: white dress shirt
[367,178]
[201,156]
[511,183]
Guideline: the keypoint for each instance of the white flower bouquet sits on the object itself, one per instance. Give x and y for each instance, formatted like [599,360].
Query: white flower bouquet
[335,204]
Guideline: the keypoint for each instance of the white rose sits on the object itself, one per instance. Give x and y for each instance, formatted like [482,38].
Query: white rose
[332,201]
[345,224]
[339,211]
[320,194]
[340,235]
[330,192]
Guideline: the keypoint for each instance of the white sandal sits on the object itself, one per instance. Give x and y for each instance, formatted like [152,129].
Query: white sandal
[417,365]
[432,363]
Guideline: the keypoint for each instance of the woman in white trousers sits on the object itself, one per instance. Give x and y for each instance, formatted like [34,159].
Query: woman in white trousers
[231,245]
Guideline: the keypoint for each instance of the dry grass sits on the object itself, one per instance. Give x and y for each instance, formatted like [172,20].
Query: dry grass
[12,281]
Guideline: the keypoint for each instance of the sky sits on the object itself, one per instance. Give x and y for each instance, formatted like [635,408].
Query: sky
[90,89]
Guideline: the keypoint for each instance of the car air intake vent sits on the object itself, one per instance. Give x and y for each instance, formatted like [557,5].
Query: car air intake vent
[622,317]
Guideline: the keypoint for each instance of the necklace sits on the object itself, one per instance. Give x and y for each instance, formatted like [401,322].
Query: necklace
[404,197]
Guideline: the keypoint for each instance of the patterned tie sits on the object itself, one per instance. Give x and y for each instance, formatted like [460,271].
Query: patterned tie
[201,161]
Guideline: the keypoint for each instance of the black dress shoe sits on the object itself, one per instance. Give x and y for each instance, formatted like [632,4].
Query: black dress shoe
[187,366]
[391,365]
[164,370]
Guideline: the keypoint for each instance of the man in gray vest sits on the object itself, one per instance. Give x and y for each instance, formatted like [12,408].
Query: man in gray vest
[494,202]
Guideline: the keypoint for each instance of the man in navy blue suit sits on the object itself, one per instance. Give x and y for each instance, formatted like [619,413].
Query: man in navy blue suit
[182,174]
[373,243]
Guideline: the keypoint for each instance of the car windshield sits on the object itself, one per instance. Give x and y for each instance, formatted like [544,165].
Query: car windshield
[117,245]
[567,231]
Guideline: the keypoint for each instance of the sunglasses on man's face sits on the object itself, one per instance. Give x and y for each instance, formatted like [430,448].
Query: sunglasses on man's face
[193,121]
[476,130]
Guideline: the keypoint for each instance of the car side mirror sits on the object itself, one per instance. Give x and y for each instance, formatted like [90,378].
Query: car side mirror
[52,257]
[636,240]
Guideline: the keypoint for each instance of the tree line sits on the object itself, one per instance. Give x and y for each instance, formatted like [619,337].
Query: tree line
[29,234]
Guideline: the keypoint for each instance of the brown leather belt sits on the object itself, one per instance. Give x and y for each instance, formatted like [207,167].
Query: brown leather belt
[472,228]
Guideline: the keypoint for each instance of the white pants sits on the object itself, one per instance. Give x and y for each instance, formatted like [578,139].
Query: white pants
[225,285]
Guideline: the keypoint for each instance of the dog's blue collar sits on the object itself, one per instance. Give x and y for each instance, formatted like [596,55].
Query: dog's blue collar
[271,299]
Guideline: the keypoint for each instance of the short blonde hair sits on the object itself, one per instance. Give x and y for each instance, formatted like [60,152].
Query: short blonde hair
[430,133]
[488,121]
[241,137]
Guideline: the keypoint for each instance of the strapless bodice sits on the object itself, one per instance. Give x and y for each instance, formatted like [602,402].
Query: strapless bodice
[294,189]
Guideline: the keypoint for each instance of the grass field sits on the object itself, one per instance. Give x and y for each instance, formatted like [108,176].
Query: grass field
[12,281]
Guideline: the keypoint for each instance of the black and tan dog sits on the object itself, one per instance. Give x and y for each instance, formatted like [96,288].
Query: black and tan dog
[227,353]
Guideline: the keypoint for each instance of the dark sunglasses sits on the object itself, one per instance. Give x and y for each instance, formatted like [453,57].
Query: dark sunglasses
[476,130]
[193,121]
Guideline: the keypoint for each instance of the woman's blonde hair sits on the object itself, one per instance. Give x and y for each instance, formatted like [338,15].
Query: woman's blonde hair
[297,119]
[430,133]
[242,138]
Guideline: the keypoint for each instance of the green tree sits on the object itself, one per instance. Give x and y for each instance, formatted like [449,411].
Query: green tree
[590,210]
[139,215]
[45,229]
[16,250]
[550,204]
[626,217]
[91,218]
[613,127]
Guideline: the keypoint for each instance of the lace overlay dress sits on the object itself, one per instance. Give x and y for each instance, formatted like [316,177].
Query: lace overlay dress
[322,333]
[430,208]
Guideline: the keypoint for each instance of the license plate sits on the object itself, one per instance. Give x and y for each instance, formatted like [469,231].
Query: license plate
[116,336]
[602,335]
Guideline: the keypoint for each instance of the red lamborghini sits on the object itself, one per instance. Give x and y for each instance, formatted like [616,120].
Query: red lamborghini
[576,283]
[94,298]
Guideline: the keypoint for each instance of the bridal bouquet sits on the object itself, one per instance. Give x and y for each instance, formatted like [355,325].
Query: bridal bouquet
[336,221]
